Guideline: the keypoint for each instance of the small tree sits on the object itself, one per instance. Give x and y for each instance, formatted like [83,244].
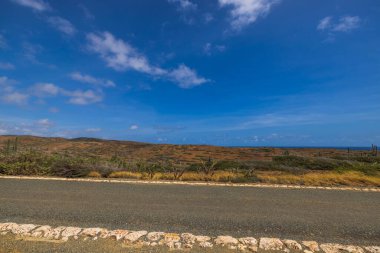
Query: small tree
[208,167]
[149,169]
[176,169]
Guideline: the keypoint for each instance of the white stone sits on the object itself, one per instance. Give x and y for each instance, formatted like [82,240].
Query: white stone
[249,241]
[188,246]
[311,245]
[205,245]
[54,233]
[116,234]
[153,244]
[202,238]
[177,245]
[23,229]
[134,236]
[146,243]
[92,232]
[230,246]
[188,238]
[155,236]
[8,226]
[226,240]
[170,245]
[293,245]
[41,231]
[171,237]
[373,249]
[270,244]
[70,232]
[241,247]
[337,248]
[252,248]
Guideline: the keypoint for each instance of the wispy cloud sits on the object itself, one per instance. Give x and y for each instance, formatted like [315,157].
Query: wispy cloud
[133,127]
[77,97]
[80,97]
[186,77]
[184,5]
[6,84]
[45,90]
[37,5]
[44,123]
[6,66]
[77,76]
[15,98]
[87,13]
[246,12]
[342,25]
[9,95]
[62,25]
[121,56]
[210,48]
[3,42]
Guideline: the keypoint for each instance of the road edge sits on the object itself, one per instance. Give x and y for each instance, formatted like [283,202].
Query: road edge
[162,182]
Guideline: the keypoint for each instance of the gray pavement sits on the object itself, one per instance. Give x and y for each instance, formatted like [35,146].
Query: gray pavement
[301,214]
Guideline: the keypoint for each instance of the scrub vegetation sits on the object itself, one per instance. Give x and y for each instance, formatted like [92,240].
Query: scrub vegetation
[26,155]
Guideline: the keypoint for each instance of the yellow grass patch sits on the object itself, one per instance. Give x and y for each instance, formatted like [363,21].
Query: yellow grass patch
[94,174]
[125,174]
[351,178]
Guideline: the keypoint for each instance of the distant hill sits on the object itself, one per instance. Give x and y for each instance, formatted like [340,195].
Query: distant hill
[130,150]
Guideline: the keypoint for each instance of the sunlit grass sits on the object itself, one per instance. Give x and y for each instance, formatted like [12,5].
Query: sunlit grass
[350,178]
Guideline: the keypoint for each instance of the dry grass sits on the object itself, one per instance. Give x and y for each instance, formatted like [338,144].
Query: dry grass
[351,178]
[315,178]
[126,174]
[94,174]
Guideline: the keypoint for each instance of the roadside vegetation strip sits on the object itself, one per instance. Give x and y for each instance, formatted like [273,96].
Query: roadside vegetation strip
[171,182]
[173,240]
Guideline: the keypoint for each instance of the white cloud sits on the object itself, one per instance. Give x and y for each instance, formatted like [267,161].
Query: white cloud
[45,90]
[53,109]
[37,5]
[79,97]
[133,127]
[92,80]
[62,25]
[344,24]
[3,131]
[324,23]
[45,123]
[246,12]
[93,130]
[6,84]
[16,98]
[31,51]
[87,13]
[186,77]
[184,5]
[6,65]
[121,56]
[210,48]
[3,43]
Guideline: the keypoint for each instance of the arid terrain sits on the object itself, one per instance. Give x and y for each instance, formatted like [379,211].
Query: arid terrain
[87,157]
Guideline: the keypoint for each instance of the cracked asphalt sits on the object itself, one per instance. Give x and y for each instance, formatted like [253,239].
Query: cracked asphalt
[300,214]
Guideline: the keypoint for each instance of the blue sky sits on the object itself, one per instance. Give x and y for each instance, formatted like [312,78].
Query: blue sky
[223,72]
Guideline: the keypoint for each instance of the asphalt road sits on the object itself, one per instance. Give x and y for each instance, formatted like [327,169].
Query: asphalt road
[301,214]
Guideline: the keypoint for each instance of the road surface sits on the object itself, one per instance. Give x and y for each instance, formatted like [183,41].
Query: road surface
[301,214]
